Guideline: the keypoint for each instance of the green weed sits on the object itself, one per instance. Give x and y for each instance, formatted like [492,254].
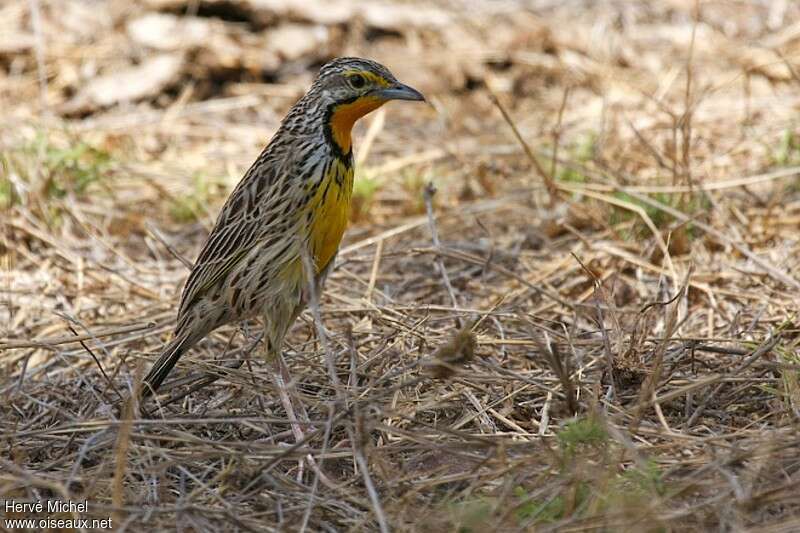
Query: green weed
[364,188]
[645,479]
[687,204]
[74,168]
[592,483]
[472,515]
[787,153]
[581,151]
[580,433]
[8,196]
[188,207]
[543,511]
[52,170]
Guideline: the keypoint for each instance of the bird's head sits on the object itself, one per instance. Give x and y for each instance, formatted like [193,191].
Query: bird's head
[351,87]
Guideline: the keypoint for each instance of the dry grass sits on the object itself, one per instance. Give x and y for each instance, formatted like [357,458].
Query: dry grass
[591,325]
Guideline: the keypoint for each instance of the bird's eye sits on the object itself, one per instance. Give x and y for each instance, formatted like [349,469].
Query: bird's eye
[357,81]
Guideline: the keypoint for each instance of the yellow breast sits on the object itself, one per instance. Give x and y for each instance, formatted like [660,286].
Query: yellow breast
[330,211]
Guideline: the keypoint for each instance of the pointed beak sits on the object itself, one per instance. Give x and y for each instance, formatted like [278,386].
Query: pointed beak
[399,91]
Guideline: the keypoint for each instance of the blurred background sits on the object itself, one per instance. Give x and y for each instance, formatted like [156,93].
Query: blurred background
[617,178]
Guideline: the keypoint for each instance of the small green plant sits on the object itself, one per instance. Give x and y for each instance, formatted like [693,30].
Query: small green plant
[581,151]
[583,432]
[570,175]
[646,478]
[541,511]
[589,482]
[8,196]
[586,147]
[51,169]
[787,152]
[188,207]
[364,188]
[790,377]
[661,219]
[472,516]
[73,168]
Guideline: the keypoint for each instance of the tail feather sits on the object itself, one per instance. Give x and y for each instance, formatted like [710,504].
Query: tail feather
[164,364]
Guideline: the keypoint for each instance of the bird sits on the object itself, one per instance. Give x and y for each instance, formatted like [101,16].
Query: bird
[293,200]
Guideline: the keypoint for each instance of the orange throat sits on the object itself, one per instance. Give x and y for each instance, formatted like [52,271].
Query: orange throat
[345,115]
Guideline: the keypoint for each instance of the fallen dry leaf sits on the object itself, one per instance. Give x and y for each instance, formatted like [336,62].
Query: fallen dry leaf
[130,84]
[168,32]
[293,41]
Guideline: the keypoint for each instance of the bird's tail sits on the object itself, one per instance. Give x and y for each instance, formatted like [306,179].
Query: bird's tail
[164,364]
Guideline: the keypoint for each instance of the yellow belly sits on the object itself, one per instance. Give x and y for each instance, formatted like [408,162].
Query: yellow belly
[330,211]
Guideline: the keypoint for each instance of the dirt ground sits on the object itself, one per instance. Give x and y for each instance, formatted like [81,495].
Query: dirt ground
[567,299]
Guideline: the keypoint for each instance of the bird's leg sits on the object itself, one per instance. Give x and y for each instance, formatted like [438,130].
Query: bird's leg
[283,380]
[274,358]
